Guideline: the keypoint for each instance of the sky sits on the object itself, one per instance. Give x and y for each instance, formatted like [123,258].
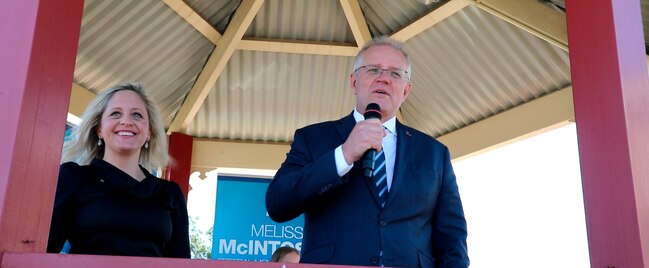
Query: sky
[523,203]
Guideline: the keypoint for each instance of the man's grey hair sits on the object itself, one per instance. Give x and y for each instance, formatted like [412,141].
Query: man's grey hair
[383,41]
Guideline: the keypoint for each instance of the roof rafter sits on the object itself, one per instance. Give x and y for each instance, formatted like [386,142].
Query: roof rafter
[282,46]
[300,47]
[432,18]
[194,19]
[531,16]
[215,64]
[356,21]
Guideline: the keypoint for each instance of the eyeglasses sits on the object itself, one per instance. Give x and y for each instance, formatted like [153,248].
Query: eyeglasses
[373,71]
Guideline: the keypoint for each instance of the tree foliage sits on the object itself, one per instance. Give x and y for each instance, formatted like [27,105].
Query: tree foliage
[200,241]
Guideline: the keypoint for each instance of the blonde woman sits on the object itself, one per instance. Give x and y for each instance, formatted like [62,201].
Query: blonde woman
[107,202]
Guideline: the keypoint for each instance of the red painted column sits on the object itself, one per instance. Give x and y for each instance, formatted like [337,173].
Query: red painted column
[611,98]
[37,57]
[180,150]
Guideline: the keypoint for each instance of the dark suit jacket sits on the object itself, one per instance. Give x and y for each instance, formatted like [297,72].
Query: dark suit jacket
[421,225]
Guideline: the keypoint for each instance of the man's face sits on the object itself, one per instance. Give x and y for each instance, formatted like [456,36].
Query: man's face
[383,87]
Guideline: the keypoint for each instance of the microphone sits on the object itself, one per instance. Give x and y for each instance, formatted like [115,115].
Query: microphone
[372,110]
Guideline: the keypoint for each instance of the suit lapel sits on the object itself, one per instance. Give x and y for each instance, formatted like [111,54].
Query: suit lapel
[405,139]
[345,126]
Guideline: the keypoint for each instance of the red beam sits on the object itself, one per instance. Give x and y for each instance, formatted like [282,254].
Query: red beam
[180,150]
[37,52]
[611,98]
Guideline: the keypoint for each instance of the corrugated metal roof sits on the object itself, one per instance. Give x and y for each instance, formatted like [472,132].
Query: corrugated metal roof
[385,17]
[473,65]
[470,66]
[141,41]
[322,20]
[265,96]
[217,12]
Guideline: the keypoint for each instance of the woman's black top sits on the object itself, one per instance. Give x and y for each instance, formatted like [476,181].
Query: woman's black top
[102,210]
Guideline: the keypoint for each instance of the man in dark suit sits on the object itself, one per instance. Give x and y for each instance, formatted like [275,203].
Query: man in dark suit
[416,220]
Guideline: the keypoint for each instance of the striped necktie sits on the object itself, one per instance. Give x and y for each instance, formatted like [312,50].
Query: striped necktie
[380,177]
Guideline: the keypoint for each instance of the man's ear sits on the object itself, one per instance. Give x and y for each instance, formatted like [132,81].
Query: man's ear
[406,91]
[352,82]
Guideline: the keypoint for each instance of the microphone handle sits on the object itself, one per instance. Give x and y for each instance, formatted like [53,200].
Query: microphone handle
[368,163]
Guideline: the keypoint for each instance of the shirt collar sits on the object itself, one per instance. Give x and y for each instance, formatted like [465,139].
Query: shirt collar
[390,125]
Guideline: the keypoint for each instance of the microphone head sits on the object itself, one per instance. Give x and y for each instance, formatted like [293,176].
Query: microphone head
[372,110]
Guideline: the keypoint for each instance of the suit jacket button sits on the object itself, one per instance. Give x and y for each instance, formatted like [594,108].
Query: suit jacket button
[325,188]
[383,223]
[374,260]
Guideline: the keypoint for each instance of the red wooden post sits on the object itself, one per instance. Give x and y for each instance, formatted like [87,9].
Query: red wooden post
[37,57]
[180,150]
[611,97]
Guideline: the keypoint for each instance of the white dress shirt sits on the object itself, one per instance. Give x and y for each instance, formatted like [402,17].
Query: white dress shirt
[389,145]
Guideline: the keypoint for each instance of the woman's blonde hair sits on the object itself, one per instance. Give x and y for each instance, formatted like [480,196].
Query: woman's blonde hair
[82,146]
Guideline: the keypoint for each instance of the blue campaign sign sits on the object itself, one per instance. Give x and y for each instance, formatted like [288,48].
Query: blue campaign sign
[242,229]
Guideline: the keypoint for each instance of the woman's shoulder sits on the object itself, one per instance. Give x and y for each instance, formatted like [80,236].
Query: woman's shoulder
[175,191]
[69,168]
[172,186]
[70,164]
[171,195]
[166,184]
[72,171]
[73,167]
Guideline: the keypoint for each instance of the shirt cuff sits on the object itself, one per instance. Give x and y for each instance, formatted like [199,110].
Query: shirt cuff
[341,165]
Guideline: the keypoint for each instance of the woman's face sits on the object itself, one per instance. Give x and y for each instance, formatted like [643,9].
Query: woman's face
[124,125]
